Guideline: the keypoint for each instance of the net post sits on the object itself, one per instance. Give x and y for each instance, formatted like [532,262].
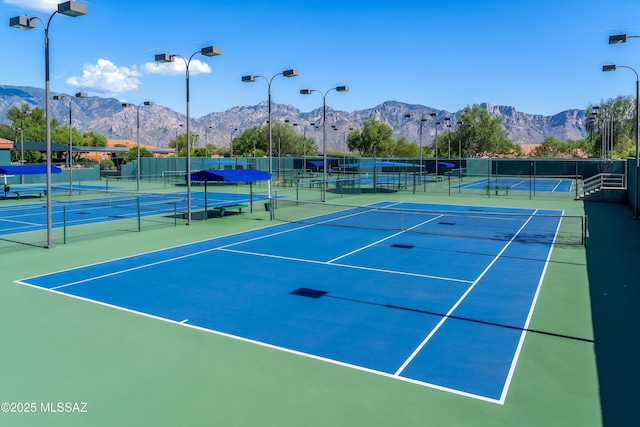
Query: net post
[64,224]
[138,208]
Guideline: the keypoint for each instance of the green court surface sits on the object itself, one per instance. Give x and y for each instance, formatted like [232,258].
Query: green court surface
[132,370]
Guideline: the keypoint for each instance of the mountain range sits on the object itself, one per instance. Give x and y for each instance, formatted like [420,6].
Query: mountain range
[159,125]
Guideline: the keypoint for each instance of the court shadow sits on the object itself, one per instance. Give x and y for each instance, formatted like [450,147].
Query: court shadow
[613,256]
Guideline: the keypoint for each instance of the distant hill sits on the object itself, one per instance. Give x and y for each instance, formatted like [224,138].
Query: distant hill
[158,124]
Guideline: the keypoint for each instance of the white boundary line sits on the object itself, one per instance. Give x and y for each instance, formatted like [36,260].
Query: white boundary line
[452,309]
[263,344]
[514,361]
[354,267]
[382,240]
[394,376]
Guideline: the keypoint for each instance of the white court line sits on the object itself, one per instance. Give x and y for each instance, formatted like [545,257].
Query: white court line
[518,183]
[18,222]
[516,356]
[355,267]
[139,267]
[271,346]
[452,309]
[382,240]
[556,186]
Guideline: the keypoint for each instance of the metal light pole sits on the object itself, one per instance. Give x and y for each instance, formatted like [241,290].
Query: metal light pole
[448,120]
[613,67]
[147,103]
[59,98]
[252,79]
[622,38]
[168,57]
[324,131]
[231,142]
[69,8]
[422,120]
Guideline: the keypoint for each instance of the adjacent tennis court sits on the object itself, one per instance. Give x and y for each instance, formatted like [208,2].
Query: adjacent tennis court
[30,217]
[521,184]
[422,293]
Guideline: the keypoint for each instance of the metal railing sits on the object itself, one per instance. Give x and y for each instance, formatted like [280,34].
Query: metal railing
[604,181]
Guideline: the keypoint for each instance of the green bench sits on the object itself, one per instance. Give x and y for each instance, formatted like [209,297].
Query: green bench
[28,192]
[223,209]
[291,182]
[497,189]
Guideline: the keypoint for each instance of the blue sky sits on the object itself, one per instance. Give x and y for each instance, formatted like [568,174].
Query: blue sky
[539,56]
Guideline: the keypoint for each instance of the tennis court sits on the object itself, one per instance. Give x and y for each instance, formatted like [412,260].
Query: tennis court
[404,290]
[552,185]
[30,217]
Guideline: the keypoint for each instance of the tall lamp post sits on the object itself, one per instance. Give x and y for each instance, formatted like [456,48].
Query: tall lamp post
[231,142]
[324,131]
[149,104]
[435,141]
[169,57]
[60,98]
[612,67]
[422,120]
[448,120]
[69,8]
[252,79]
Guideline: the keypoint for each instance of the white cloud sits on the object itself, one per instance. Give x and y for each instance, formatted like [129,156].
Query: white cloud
[39,5]
[176,67]
[107,78]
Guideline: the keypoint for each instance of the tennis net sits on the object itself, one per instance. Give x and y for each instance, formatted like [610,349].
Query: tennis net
[480,223]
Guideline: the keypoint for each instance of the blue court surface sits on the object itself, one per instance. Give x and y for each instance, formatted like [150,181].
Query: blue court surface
[32,217]
[521,184]
[443,311]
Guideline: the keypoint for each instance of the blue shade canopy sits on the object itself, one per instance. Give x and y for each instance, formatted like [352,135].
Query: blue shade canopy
[230,175]
[379,163]
[27,170]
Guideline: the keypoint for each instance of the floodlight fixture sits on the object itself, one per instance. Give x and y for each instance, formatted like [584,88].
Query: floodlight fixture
[249,79]
[290,73]
[164,58]
[22,22]
[72,8]
[610,67]
[211,51]
[617,38]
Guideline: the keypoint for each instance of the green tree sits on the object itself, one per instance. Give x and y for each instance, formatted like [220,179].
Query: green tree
[617,116]
[480,135]
[92,139]
[404,148]
[132,154]
[249,142]
[32,122]
[551,147]
[374,139]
